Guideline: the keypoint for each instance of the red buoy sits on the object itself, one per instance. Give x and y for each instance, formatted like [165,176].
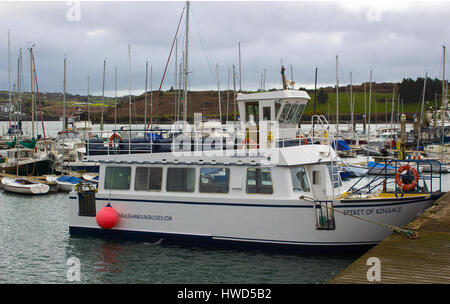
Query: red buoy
[107,217]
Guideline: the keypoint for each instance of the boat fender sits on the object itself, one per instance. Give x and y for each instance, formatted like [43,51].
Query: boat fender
[398,178]
[107,217]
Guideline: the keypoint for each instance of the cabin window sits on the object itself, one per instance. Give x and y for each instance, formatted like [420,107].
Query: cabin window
[259,180]
[284,113]
[334,175]
[180,179]
[299,179]
[298,114]
[316,177]
[291,113]
[214,180]
[266,113]
[252,109]
[117,178]
[148,179]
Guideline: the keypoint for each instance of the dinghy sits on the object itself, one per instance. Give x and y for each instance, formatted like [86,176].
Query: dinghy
[66,183]
[24,186]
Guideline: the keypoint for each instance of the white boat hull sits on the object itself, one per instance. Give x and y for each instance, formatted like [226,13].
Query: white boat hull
[11,185]
[287,222]
[64,186]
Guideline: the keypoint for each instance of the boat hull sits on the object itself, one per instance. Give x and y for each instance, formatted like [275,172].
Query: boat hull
[290,223]
[36,188]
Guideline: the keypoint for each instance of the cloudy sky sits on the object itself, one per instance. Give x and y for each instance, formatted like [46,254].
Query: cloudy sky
[396,39]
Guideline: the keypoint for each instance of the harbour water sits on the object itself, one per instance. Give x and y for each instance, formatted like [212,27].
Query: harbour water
[36,247]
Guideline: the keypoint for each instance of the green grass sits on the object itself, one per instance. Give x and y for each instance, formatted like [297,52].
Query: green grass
[377,100]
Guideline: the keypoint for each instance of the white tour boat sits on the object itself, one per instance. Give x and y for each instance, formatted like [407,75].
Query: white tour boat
[272,187]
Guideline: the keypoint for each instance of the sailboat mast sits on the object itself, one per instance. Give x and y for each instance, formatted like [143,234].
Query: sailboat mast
[146,95]
[337,98]
[421,111]
[351,99]
[115,97]
[240,70]
[443,103]
[64,98]
[103,95]
[33,131]
[129,83]
[9,77]
[218,91]
[185,79]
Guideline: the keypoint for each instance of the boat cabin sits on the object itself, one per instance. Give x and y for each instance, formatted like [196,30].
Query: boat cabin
[285,107]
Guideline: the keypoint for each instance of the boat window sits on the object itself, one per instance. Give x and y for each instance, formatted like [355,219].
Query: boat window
[299,179]
[334,175]
[316,177]
[214,180]
[298,114]
[118,178]
[252,109]
[291,113]
[148,179]
[284,113]
[277,108]
[259,180]
[180,179]
[266,113]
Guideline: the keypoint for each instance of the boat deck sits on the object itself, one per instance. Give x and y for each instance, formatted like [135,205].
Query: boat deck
[423,260]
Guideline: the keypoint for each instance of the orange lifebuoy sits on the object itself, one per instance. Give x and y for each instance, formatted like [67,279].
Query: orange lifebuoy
[305,141]
[398,178]
[112,137]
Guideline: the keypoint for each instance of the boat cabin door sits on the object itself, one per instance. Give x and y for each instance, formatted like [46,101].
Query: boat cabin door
[317,176]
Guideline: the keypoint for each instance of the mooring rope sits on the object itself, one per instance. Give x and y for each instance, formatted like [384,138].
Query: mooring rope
[410,234]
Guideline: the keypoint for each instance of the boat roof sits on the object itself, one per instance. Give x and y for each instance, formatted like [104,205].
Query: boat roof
[283,94]
[289,156]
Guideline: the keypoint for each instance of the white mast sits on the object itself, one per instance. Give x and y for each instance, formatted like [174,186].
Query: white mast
[115,97]
[146,95]
[129,82]
[370,107]
[351,100]
[9,77]
[218,90]
[421,111]
[64,99]
[337,98]
[444,106]
[33,130]
[240,72]
[185,80]
[103,94]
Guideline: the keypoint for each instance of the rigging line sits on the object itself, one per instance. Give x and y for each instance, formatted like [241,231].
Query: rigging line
[165,70]
[204,47]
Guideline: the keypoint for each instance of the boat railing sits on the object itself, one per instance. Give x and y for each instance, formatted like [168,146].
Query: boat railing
[389,169]
[162,140]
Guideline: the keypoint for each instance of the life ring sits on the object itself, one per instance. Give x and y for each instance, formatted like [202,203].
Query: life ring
[412,184]
[112,138]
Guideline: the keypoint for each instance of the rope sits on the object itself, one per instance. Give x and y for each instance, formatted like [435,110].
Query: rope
[410,234]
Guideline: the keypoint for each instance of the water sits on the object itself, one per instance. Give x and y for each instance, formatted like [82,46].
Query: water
[35,247]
